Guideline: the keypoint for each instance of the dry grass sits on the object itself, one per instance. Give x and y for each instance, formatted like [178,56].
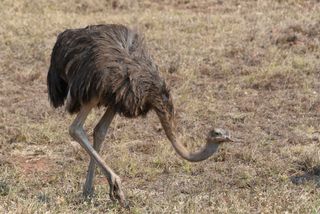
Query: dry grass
[250,66]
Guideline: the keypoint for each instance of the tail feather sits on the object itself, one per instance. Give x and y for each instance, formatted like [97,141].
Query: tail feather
[57,88]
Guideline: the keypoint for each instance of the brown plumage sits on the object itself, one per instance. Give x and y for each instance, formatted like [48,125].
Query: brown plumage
[109,65]
[106,62]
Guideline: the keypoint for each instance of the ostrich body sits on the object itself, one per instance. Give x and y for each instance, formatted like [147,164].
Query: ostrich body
[108,65]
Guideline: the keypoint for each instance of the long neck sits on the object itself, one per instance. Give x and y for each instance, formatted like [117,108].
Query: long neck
[203,153]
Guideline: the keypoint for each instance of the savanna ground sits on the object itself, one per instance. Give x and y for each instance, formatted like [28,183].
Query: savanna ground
[248,66]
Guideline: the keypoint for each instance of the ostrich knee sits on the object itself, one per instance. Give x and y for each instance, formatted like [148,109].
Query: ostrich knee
[76,131]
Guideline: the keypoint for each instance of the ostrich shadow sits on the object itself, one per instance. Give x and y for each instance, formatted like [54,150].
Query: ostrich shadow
[312,175]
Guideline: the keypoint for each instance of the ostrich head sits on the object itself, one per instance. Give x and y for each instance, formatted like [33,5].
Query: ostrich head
[218,136]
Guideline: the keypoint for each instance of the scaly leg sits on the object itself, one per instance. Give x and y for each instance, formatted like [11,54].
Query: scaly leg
[77,132]
[99,134]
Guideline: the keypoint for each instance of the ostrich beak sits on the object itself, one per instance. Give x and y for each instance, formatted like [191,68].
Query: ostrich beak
[234,140]
[229,139]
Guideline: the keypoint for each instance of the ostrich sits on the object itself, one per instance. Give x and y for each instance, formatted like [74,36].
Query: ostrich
[109,66]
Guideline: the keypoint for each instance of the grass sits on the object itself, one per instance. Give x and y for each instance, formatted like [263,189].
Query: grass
[249,66]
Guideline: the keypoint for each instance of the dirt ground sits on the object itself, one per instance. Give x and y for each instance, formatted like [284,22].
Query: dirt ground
[251,67]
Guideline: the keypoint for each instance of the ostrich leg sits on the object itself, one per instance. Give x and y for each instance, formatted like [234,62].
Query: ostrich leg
[99,134]
[77,132]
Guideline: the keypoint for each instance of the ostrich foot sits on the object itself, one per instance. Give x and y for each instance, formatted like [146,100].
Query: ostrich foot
[116,193]
[88,191]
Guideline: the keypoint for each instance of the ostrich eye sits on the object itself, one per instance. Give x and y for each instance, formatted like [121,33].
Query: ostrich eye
[217,133]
